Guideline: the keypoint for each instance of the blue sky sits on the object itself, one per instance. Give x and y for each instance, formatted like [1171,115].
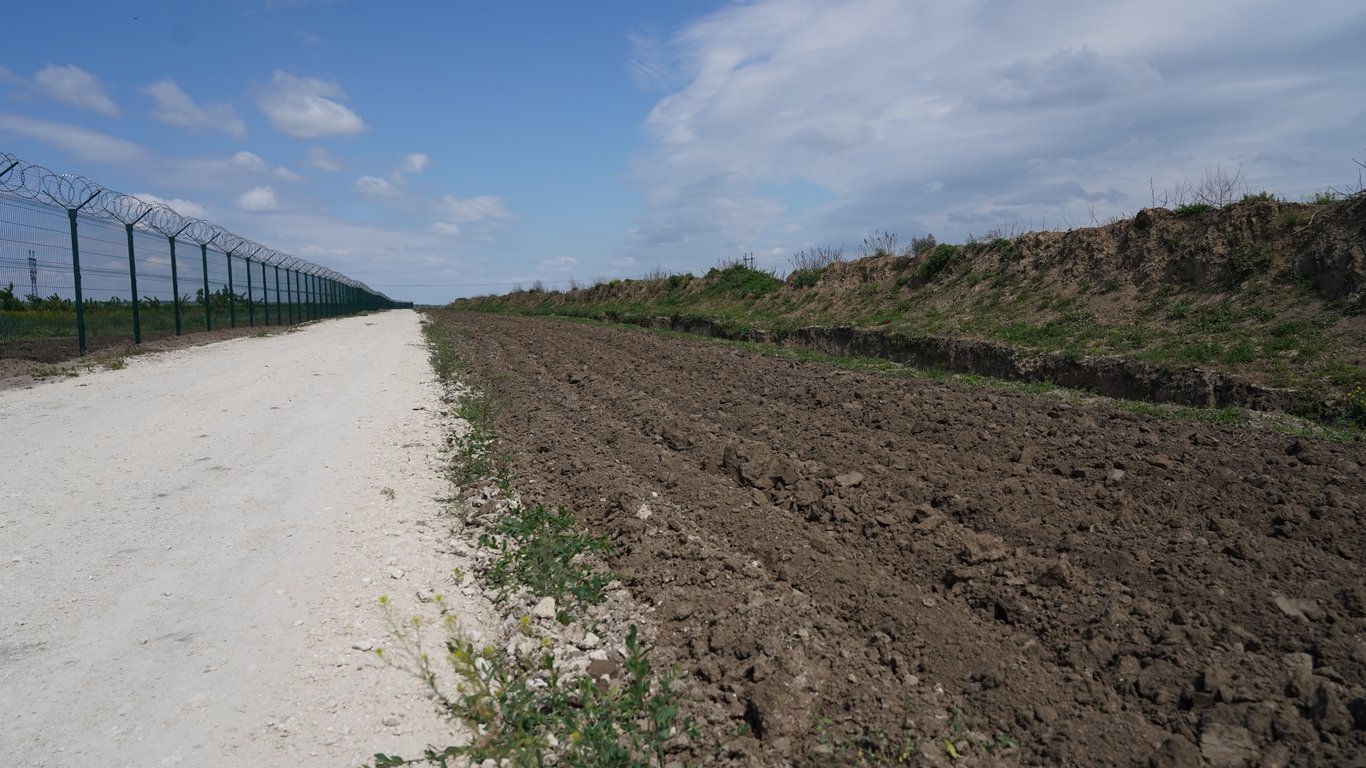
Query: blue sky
[440,149]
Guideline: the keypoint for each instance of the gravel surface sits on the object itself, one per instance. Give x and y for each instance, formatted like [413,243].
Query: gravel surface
[193,547]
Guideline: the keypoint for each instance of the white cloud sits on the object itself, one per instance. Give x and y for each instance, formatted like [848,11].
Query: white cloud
[475,216]
[257,199]
[323,160]
[285,174]
[175,107]
[625,262]
[76,87]
[307,108]
[416,162]
[374,186]
[817,122]
[84,145]
[560,264]
[185,208]
[248,161]
[475,209]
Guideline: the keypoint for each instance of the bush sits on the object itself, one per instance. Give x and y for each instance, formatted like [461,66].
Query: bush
[740,280]
[923,246]
[1193,209]
[805,278]
[938,259]
[818,259]
[8,301]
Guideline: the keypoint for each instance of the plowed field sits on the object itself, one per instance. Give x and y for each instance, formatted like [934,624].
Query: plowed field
[834,556]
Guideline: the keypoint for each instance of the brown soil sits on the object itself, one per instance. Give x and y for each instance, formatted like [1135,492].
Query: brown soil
[832,555]
[23,359]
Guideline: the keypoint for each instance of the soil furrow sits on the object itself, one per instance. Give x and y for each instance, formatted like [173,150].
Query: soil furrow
[835,555]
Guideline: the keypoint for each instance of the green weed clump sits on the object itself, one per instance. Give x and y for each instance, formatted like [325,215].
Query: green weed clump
[806,278]
[541,551]
[740,280]
[522,710]
[1193,209]
[937,260]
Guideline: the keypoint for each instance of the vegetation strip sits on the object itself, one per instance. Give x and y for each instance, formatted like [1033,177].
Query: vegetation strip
[539,700]
[1255,302]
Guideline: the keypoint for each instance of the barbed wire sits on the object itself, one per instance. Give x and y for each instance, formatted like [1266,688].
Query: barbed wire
[84,195]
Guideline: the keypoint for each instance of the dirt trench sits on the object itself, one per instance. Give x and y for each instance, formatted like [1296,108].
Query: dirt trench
[851,564]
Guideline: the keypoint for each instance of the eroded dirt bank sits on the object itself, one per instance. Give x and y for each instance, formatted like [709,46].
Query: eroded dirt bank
[833,555]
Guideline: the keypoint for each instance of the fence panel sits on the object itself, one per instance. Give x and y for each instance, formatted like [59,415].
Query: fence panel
[69,283]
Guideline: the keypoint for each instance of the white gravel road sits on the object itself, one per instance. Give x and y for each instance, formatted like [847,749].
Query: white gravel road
[191,549]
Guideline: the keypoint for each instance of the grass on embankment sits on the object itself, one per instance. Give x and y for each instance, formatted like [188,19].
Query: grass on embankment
[1244,290]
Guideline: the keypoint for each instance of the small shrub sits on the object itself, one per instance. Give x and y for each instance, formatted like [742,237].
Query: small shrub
[740,280]
[879,244]
[923,246]
[1355,406]
[1244,263]
[937,261]
[1259,197]
[1193,209]
[817,258]
[1179,311]
[1326,197]
[540,550]
[806,278]
[1291,218]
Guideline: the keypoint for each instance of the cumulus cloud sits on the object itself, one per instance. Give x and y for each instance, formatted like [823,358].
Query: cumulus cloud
[559,264]
[248,161]
[373,186]
[478,216]
[74,86]
[307,107]
[814,121]
[475,209]
[82,144]
[416,162]
[258,199]
[187,208]
[323,160]
[175,107]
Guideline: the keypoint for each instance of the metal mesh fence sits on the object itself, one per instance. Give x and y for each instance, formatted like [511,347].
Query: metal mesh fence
[84,267]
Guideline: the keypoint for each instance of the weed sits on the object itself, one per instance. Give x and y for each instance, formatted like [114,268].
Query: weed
[806,278]
[387,493]
[541,551]
[817,258]
[1290,218]
[1326,197]
[923,246]
[1244,263]
[937,260]
[1354,408]
[1193,209]
[879,244]
[1174,243]
[1110,285]
[740,280]
[1259,197]
[520,710]
[1179,310]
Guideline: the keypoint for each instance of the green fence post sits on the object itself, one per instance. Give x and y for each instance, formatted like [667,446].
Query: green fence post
[232,295]
[293,294]
[204,262]
[277,293]
[251,300]
[175,279]
[76,273]
[133,277]
[265,297]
